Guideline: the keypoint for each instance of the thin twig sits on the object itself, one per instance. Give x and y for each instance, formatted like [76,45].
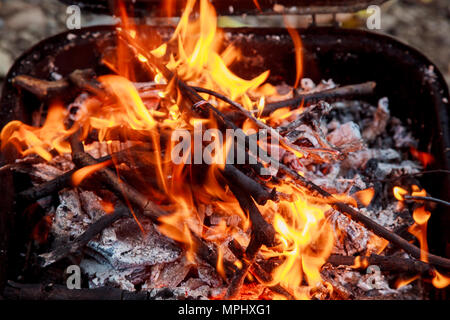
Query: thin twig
[94,229]
[386,263]
[431,199]
[344,92]
[65,180]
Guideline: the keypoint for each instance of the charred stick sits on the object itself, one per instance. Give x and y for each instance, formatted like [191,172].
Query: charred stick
[47,188]
[257,191]
[431,199]
[330,95]
[61,89]
[65,180]
[262,233]
[313,112]
[18,291]
[381,231]
[42,89]
[247,261]
[93,230]
[386,263]
[121,188]
[274,133]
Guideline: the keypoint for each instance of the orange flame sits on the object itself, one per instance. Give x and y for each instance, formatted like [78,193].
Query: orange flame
[81,174]
[298,51]
[419,230]
[424,157]
[364,196]
[440,281]
[399,283]
[399,193]
[52,135]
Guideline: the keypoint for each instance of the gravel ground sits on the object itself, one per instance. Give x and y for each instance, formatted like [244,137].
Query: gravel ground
[424,24]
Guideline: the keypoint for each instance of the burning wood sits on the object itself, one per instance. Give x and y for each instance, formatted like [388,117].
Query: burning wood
[285,201]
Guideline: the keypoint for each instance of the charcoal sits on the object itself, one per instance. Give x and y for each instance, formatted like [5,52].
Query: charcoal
[136,249]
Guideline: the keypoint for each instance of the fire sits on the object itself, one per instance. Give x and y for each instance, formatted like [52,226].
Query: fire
[298,51]
[39,140]
[305,243]
[419,230]
[79,175]
[399,193]
[424,157]
[364,196]
[440,281]
[196,55]
[404,282]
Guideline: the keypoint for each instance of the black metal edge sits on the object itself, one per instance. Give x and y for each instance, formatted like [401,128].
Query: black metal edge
[142,8]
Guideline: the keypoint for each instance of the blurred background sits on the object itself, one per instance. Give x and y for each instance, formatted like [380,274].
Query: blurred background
[424,24]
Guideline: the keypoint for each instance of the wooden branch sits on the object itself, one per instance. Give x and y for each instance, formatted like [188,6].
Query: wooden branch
[262,233]
[65,180]
[42,89]
[247,261]
[121,188]
[94,229]
[64,89]
[330,95]
[312,112]
[257,191]
[386,263]
[273,132]
[430,199]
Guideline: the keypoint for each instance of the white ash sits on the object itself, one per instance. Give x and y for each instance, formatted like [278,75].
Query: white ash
[356,236]
[402,137]
[70,220]
[370,284]
[209,275]
[405,167]
[359,158]
[133,249]
[379,122]
[169,274]
[388,217]
[347,137]
[101,275]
